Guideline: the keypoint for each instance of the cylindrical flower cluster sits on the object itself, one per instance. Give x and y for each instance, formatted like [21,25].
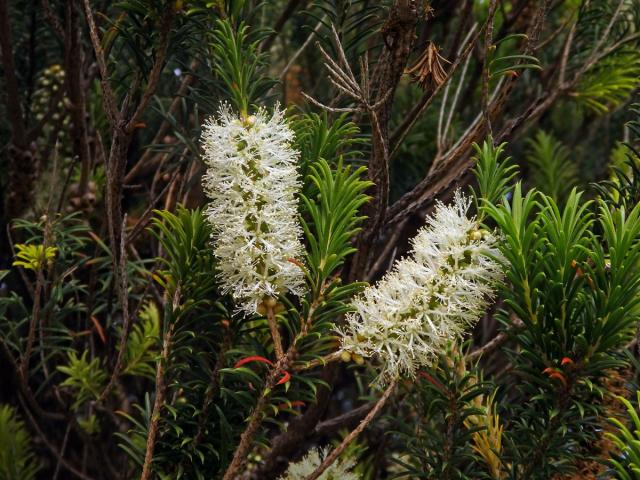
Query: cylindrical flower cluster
[340,469]
[429,298]
[252,183]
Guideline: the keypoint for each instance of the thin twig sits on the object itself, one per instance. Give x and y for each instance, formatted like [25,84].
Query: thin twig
[275,333]
[161,390]
[123,294]
[187,82]
[288,11]
[328,461]
[488,48]
[156,69]
[318,362]
[56,453]
[246,439]
[398,136]
[109,99]
[496,342]
[62,450]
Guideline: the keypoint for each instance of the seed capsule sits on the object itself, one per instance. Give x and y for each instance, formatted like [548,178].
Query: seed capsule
[359,359]
[476,235]
[345,356]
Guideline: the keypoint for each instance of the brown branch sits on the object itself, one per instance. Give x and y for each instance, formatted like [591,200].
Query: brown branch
[488,48]
[108,97]
[273,328]
[156,69]
[457,161]
[34,322]
[332,457]
[318,362]
[56,453]
[123,298]
[255,420]
[161,389]
[401,132]
[147,214]
[348,419]
[187,82]
[54,22]
[74,62]
[495,343]
[399,34]
[21,164]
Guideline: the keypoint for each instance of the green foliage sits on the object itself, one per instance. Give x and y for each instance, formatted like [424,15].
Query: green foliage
[238,64]
[627,463]
[610,82]
[204,408]
[184,237]
[504,60]
[356,21]
[85,378]
[316,138]
[553,171]
[611,75]
[623,188]
[570,304]
[17,460]
[445,402]
[135,440]
[90,424]
[574,282]
[143,343]
[334,218]
[493,175]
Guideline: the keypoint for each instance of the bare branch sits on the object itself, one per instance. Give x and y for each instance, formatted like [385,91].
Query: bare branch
[109,98]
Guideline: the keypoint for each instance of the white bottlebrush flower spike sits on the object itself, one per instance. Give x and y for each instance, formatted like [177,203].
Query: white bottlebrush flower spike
[429,298]
[252,183]
[339,470]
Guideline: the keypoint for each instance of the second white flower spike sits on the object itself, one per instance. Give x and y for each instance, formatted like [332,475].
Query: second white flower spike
[429,298]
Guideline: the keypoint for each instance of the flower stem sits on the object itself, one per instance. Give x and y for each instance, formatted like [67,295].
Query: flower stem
[319,362]
[275,333]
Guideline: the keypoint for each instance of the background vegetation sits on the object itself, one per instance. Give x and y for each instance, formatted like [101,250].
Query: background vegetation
[120,356]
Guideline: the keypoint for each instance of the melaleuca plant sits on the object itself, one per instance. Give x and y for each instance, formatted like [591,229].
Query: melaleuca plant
[573,278]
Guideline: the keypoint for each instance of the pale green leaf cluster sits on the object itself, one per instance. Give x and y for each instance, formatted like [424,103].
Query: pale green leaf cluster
[84,377]
[143,343]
